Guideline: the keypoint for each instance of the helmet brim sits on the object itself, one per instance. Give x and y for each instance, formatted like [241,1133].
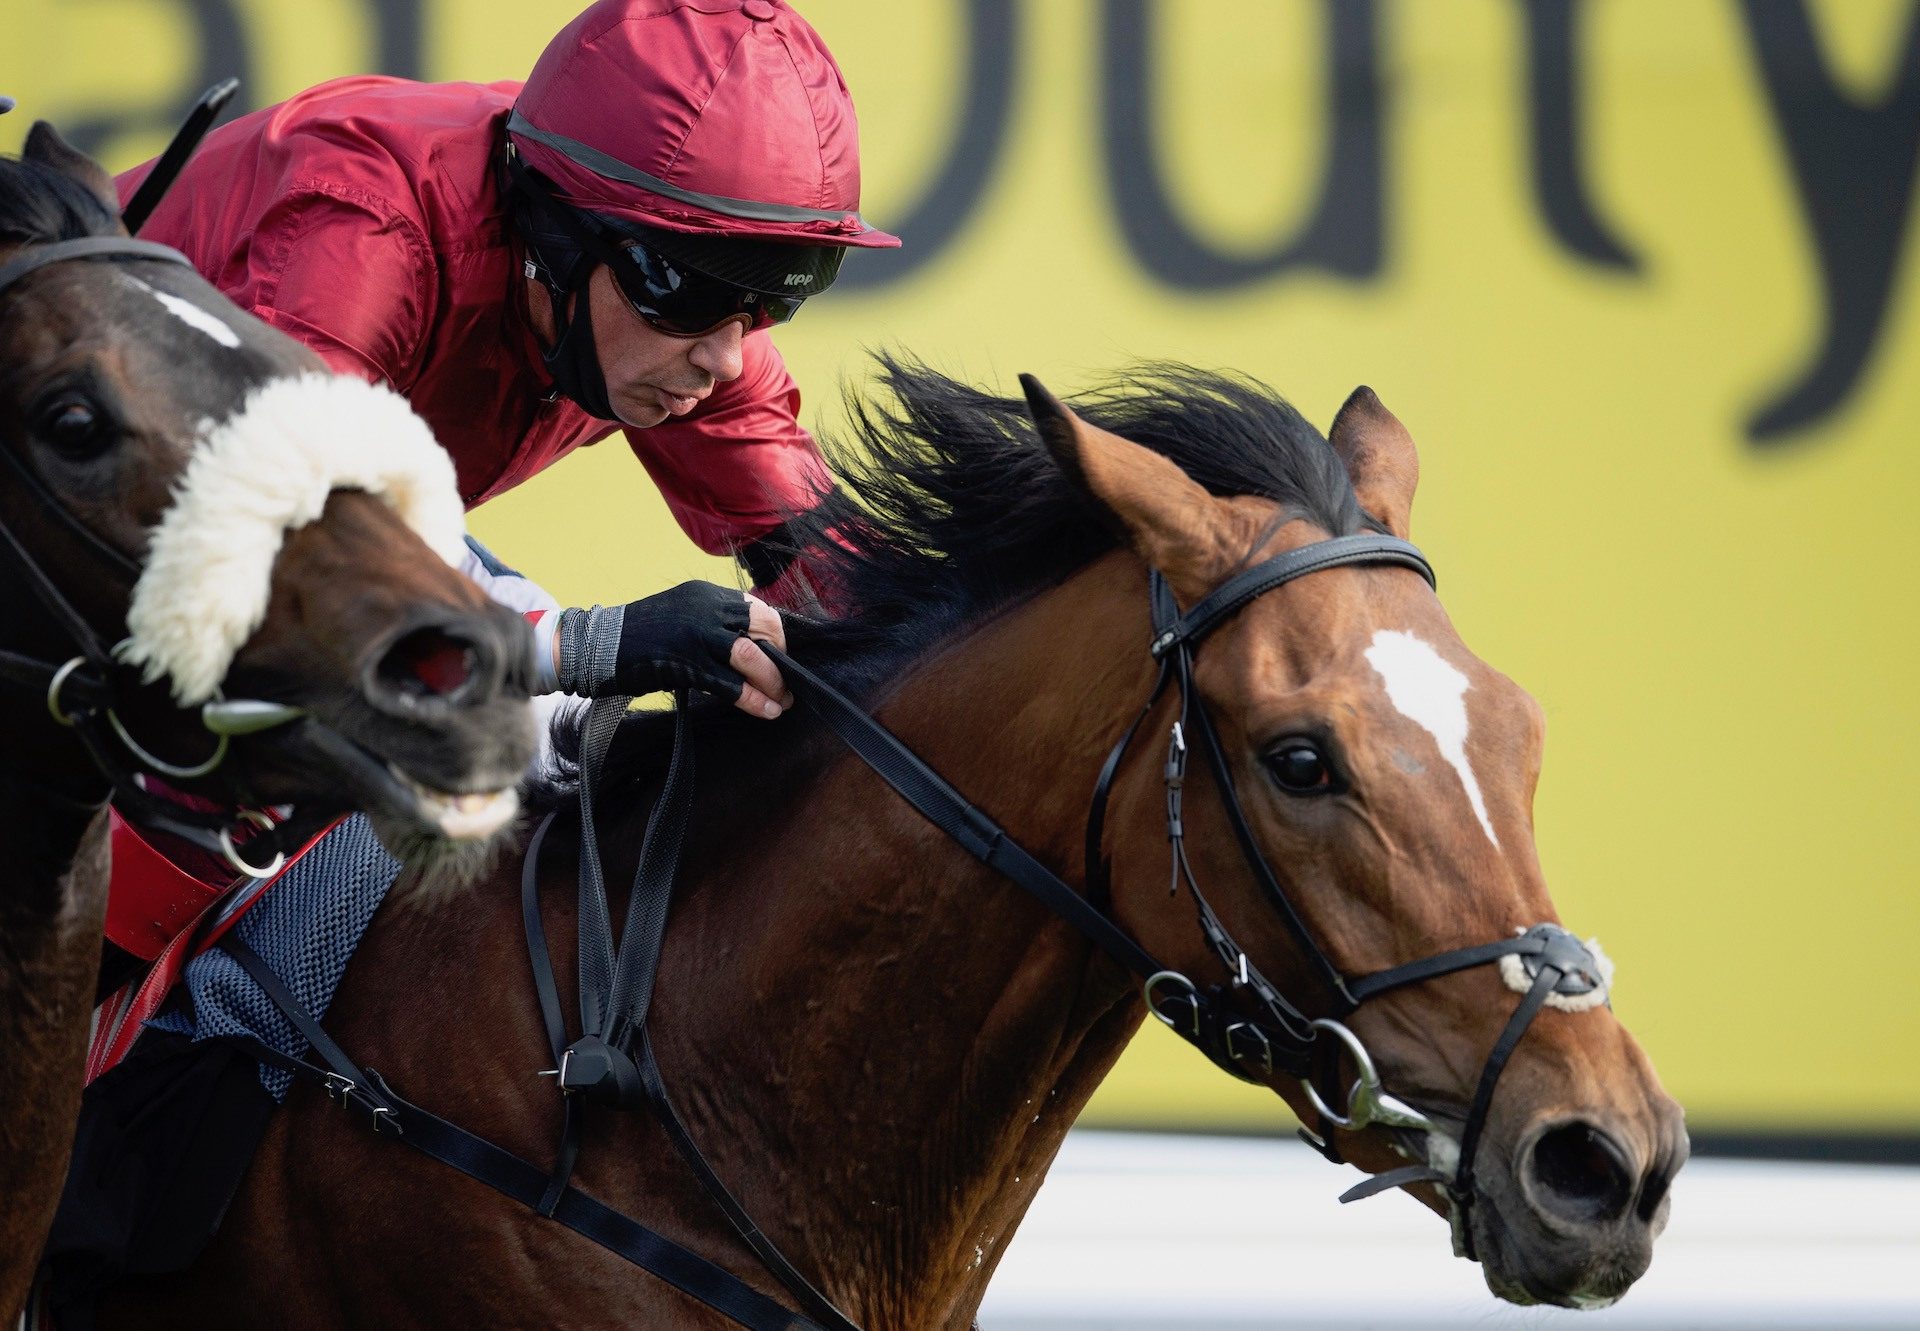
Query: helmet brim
[780,268]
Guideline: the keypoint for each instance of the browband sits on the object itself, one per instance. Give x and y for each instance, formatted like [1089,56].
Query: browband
[88,247]
[1236,591]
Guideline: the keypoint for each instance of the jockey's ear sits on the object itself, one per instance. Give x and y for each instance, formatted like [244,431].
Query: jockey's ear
[1379,456]
[45,146]
[1168,519]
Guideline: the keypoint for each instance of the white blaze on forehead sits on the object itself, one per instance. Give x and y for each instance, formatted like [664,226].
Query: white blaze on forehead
[1424,688]
[252,478]
[190,314]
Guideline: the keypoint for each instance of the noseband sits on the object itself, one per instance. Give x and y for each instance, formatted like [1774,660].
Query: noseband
[82,692]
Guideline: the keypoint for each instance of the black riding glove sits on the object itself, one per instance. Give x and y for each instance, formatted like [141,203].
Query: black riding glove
[677,639]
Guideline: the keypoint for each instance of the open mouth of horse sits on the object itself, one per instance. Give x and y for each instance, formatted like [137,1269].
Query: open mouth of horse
[474,816]
[412,707]
[417,808]
[419,790]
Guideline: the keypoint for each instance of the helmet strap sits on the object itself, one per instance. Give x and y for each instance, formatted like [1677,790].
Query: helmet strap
[573,363]
[565,268]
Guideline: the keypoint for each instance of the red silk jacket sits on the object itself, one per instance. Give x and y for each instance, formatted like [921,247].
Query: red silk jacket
[363,218]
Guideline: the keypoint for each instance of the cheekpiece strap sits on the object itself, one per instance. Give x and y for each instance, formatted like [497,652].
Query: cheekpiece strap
[1171,628]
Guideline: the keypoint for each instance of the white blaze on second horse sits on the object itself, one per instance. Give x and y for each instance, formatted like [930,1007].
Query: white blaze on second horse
[255,476]
[190,314]
[1432,694]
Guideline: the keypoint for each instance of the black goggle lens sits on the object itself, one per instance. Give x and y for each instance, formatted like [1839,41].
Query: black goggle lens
[688,303]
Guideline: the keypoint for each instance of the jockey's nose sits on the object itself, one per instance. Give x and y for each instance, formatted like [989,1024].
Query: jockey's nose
[718,352]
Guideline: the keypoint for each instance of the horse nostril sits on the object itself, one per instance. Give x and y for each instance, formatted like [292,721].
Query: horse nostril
[428,663]
[1581,1173]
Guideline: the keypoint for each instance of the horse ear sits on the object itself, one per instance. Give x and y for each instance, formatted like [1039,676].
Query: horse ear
[1379,456]
[45,146]
[1168,519]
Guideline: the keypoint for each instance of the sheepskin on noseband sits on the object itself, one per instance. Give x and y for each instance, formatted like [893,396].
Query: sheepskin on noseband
[1513,972]
[252,478]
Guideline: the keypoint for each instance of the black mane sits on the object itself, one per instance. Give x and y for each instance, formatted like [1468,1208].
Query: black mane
[39,205]
[948,507]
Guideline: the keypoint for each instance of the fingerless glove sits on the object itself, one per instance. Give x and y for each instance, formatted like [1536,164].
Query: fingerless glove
[678,639]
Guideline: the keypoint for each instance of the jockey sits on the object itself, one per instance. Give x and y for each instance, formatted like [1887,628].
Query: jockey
[536,265]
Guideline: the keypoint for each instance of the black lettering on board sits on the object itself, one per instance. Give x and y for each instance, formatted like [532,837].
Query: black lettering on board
[220,42]
[1344,233]
[1853,164]
[400,31]
[943,210]
[1555,61]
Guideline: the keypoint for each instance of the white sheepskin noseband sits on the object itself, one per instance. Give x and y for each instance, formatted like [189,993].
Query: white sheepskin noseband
[1514,974]
[259,474]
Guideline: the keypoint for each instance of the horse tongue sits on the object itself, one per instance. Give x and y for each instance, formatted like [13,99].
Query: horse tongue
[434,662]
[444,669]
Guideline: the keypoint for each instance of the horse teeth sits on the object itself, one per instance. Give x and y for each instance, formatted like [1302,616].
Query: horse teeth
[472,816]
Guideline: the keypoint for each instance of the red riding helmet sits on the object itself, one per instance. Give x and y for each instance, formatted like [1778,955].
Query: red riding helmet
[727,119]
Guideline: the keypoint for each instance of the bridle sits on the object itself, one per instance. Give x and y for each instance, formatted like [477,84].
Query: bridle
[86,691]
[82,691]
[1279,1037]
[1282,1038]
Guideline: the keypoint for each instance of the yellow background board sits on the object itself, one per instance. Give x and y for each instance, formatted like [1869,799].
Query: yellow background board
[1713,623]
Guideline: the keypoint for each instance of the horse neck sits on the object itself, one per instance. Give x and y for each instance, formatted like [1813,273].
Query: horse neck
[909,1034]
[52,909]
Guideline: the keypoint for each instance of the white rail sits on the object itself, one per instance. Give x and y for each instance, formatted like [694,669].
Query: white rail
[1216,1234]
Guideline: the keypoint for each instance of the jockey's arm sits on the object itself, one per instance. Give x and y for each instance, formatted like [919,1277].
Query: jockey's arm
[694,636]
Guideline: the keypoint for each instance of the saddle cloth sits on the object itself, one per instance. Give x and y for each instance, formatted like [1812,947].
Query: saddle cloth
[305,923]
[306,928]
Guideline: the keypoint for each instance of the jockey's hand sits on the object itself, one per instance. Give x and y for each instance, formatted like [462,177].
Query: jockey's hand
[695,636]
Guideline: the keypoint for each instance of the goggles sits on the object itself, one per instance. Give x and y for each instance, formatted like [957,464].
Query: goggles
[685,302]
[687,286]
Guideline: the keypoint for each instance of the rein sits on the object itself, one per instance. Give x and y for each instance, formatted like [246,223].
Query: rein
[612,1062]
[82,691]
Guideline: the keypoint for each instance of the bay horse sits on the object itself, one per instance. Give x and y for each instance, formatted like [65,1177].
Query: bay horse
[878,1042]
[173,478]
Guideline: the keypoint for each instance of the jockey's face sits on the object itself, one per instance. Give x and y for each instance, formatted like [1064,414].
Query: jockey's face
[652,375]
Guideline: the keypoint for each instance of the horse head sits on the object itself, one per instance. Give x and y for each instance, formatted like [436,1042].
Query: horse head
[1385,776]
[267,544]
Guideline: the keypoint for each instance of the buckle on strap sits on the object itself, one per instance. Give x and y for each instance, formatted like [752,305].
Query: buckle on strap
[1259,1046]
[350,1094]
[600,1072]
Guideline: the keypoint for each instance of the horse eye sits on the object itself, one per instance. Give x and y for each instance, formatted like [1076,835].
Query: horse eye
[1300,768]
[75,427]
